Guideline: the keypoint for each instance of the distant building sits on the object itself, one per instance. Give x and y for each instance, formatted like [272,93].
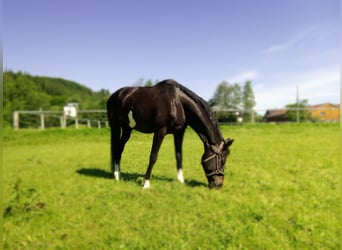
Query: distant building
[325,112]
[71,109]
[276,115]
[319,112]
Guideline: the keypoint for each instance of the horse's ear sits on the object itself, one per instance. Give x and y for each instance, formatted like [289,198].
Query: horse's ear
[228,142]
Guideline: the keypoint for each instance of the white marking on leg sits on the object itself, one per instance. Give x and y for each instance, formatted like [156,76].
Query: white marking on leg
[147,184]
[131,120]
[116,171]
[180,176]
[117,175]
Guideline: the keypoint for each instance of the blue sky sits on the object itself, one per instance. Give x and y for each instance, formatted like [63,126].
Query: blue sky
[200,43]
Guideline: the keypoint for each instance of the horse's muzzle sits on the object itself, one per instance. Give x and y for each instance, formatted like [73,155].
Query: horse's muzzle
[215,181]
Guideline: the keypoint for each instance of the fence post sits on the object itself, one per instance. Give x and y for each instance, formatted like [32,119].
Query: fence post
[61,120]
[297,106]
[98,124]
[88,124]
[76,122]
[16,120]
[64,121]
[42,121]
[297,114]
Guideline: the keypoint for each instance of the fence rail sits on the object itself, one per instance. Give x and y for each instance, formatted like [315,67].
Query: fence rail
[98,118]
[63,118]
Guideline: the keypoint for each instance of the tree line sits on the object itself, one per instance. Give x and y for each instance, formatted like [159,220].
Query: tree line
[23,91]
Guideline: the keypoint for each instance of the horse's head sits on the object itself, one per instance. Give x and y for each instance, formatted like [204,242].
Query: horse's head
[213,161]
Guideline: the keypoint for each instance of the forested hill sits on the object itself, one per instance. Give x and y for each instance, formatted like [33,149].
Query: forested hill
[26,92]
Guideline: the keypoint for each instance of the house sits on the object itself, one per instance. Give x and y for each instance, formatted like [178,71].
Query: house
[319,112]
[325,112]
[276,115]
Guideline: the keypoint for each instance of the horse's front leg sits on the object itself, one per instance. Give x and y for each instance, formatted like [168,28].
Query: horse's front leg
[178,140]
[157,141]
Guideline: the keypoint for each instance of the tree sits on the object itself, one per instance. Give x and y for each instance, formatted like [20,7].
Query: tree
[298,110]
[227,96]
[248,102]
[139,82]
[248,96]
[226,100]
[148,83]
[232,98]
[220,97]
[236,96]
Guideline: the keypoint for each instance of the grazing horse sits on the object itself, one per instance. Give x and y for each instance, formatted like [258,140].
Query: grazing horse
[166,108]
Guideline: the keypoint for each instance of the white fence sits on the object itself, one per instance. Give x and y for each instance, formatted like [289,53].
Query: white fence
[98,118]
[83,117]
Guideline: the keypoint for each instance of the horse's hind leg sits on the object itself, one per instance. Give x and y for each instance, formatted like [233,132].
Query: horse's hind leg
[115,150]
[126,134]
[157,141]
[178,140]
[119,145]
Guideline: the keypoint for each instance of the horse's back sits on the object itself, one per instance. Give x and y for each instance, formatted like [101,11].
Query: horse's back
[163,91]
[151,107]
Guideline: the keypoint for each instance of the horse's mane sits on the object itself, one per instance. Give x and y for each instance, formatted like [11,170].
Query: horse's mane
[202,103]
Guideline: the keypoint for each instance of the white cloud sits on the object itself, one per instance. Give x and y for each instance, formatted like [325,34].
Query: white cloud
[281,47]
[317,32]
[243,76]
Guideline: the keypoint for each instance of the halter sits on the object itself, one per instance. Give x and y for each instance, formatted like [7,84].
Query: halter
[218,156]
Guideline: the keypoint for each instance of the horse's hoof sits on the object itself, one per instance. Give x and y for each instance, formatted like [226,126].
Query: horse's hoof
[180,176]
[146,184]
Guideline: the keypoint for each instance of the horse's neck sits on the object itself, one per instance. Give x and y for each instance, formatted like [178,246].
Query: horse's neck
[202,122]
[208,134]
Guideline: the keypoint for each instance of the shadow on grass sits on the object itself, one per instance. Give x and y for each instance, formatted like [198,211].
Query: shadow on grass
[95,172]
[194,183]
[101,173]
[131,177]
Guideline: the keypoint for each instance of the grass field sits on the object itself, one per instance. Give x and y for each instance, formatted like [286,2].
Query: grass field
[281,191]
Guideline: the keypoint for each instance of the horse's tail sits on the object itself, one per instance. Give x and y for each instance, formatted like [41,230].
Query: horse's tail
[114,127]
[114,134]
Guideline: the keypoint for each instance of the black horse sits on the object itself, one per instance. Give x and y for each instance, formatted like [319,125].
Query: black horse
[166,108]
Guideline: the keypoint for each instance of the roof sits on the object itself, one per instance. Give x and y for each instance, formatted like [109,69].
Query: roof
[331,105]
[275,112]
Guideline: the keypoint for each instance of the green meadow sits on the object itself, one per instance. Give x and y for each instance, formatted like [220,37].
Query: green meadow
[281,191]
